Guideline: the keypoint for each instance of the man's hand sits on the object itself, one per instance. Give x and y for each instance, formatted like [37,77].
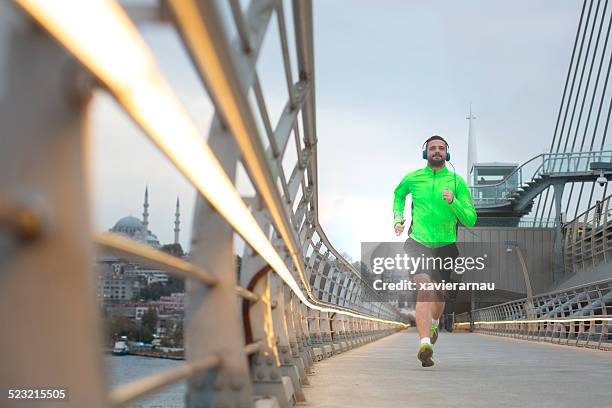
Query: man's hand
[447,195]
[399,227]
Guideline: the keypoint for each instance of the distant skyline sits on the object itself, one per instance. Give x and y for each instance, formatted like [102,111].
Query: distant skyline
[388,75]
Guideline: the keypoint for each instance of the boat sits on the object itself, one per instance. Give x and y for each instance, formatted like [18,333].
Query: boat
[121,347]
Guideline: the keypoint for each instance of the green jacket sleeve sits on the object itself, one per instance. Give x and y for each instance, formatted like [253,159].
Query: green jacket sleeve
[462,205]
[399,201]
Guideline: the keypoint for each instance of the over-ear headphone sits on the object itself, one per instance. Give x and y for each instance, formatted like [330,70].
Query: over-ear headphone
[448,156]
[435,137]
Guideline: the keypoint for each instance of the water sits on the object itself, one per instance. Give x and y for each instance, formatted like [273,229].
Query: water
[124,369]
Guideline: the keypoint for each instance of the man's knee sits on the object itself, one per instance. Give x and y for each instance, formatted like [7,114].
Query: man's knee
[421,278]
[423,294]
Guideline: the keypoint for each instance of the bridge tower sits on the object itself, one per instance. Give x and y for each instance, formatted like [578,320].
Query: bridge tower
[472,153]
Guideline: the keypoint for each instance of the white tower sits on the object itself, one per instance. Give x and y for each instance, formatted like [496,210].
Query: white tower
[177,222]
[471,147]
[145,216]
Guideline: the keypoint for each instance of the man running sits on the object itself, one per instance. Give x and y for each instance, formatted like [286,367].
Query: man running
[439,198]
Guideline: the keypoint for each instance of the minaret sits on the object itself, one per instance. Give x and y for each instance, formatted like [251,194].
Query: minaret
[145,216]
[177,222]
[471,147]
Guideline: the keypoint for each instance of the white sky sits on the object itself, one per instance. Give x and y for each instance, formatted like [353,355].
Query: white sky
[388,75]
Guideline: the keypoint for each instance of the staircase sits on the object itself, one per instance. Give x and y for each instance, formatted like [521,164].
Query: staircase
[542,171]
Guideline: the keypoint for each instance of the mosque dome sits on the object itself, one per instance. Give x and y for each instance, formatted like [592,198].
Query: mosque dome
[128,222]
[128,225]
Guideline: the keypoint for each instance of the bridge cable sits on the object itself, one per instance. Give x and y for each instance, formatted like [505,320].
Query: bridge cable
[569,101]
[569,70]
[586,91]
[594,135]
[601,63]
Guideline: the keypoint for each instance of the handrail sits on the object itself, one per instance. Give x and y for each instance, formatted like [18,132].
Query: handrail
[138,388]
[131,250]
[588,237]
[585,212]
[503,181]
[125,248]
[549,294]
[304,321]
[542,320]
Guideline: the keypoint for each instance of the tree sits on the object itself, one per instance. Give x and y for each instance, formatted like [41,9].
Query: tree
[177,334]
[158,289]
[140,333]
[173,249]
[166,340]
[149,319]
[124,326]
[173,333]
[117,327]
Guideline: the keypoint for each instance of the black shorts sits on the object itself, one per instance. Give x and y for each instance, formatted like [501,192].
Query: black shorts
[434,261]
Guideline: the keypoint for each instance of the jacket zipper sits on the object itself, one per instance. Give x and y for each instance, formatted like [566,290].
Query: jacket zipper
[433,190]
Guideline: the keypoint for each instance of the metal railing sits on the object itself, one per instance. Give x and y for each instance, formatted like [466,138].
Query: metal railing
[526,222]
[587,240]
[542,164]
[299,300]
[580,316]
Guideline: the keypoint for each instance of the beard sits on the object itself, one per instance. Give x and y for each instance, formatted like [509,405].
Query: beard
[435,162]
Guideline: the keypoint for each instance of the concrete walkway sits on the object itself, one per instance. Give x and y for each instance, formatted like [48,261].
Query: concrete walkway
[471,370]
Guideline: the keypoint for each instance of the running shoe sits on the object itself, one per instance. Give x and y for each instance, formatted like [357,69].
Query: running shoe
[433,333]
[425,354]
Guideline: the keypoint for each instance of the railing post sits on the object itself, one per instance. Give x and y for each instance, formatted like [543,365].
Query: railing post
[306,339]
[583,239]
[215,311]
[316,287]
[292,330]
[47,294]
[255,275]
[301,346]
[288,368]
[566,249]
[341,337]
[212,316]
[558,244]
[315,333]
[574,244]
[326,334]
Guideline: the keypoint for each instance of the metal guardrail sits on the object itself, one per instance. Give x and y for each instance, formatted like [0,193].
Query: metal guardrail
[236,351]
[542,164]
[587,239]
[587,332]
[526,222]
[580,316]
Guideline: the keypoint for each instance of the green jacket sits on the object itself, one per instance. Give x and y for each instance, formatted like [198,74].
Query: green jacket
[434,221]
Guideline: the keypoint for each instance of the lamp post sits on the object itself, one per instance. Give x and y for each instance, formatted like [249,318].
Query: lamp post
[529,309]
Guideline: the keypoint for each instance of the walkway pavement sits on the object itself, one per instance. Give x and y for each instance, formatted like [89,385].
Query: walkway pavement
[471,370]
